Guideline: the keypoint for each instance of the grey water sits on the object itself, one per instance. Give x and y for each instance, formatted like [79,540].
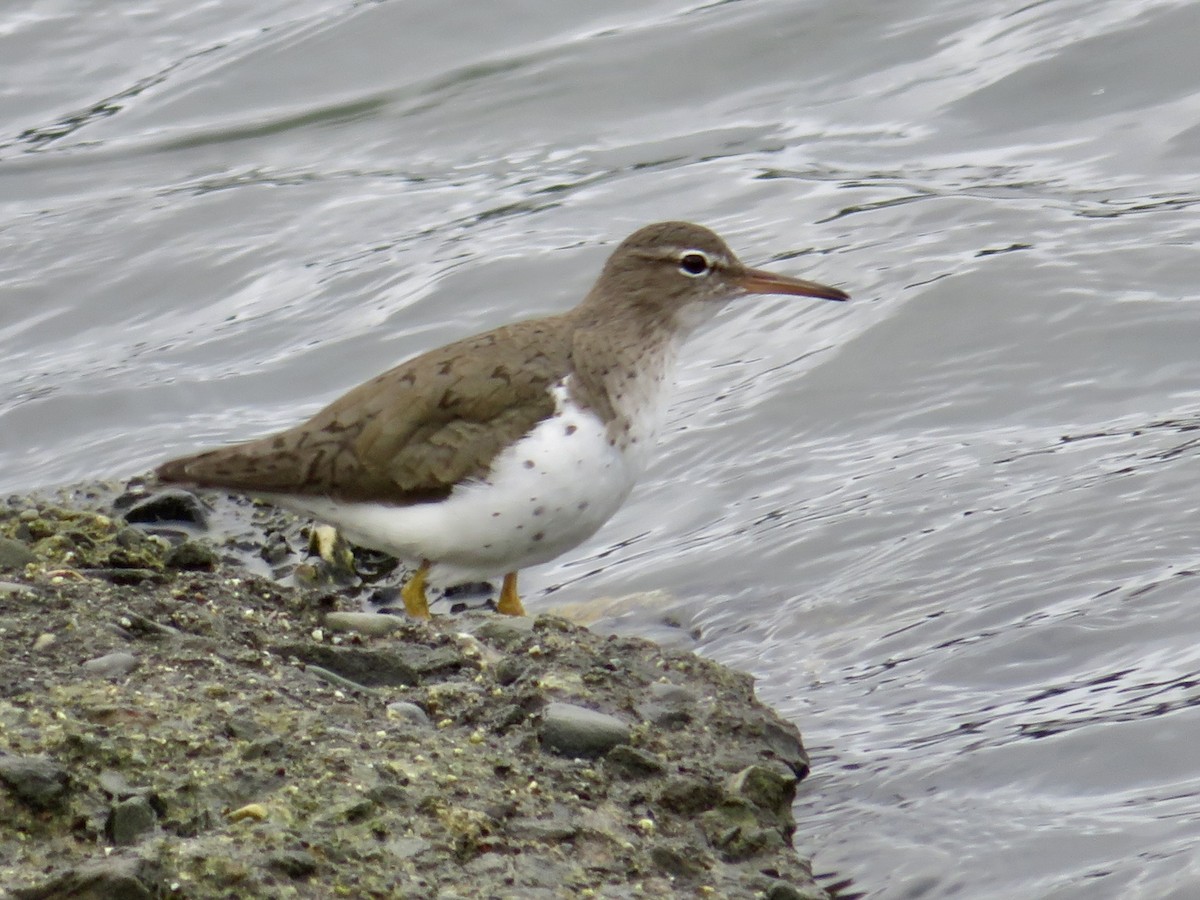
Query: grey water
[951,526]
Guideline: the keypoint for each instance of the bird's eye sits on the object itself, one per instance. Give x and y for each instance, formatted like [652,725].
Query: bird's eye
[693,263]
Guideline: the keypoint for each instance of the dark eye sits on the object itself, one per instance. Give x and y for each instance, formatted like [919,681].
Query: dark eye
[694,263]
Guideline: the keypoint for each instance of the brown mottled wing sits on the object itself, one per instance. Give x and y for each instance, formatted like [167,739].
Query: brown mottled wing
[408,435]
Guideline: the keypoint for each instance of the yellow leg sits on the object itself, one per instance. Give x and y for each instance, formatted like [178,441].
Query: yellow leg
[510,603]
[413,593]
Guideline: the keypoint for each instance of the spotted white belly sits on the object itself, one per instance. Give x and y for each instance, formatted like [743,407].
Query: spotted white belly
[545,494]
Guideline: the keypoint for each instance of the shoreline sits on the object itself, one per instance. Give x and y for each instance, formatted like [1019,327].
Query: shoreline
[175,725]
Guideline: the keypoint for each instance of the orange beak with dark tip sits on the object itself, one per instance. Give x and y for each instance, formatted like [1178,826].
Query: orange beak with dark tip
[756,281]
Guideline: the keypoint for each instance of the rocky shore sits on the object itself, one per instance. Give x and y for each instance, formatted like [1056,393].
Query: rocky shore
[209,713]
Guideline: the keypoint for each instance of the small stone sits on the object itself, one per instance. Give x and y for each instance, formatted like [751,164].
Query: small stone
[407,847]
[12,587]
[111,665]
[407,712]
[36,781]
[504,632]
[14,554]
[675,864]
[115,784]
[766,788]
[670,706]
[168,506]
[367,667]
[43,641]
[576,731]
[129,820]
[631,763]
[118,878]
[293,863]
[687,795]
[130,538]
[546,831]
[782,891]
[671,693]
[192,556]
[369,624]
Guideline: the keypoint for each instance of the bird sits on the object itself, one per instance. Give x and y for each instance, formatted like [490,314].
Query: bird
[506,449]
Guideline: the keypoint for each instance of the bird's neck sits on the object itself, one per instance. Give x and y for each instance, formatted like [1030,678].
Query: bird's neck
[623,371]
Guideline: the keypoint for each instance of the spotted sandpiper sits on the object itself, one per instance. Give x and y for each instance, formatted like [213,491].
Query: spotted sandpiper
[506,449]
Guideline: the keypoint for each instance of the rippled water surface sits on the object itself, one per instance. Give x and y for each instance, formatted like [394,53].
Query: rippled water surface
[952,526]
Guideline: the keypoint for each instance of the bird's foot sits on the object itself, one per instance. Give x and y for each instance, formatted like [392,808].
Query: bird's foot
[509,603]
[413,593]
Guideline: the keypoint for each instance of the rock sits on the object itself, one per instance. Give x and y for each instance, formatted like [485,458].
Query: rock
[504,631]
[191,555]
[370,668]
[675,864]
[545,831]
[769,790]
[369,624]
[14,554]
[171,505]
[406,848]
[631,763]
[686,795]
[44,641]
[733,829]
[670,705]
[111,665]
[782,891]
[576,731]
[116,878]
[129,820]
[38,782]
[407,712]
[447,780]
[293,863]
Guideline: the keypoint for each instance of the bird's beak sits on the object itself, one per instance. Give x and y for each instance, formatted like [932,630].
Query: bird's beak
[756,281]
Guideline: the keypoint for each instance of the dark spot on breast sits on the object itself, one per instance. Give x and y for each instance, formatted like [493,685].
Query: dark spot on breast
[529,464]
[495,515]
[571,429]
[583,504]
[539,535]
[539,510]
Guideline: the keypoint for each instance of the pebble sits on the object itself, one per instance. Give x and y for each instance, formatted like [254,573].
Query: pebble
[576,731]
[505,632]
[630,762]
[14,554]
[111,665]
[766,788]
[193,556]
[43,641]
[369,624]
[293,863]
[35,780]
[129,820]
[168,506]
[407,712]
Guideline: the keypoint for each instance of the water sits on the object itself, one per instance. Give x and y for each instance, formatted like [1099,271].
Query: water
[952,525]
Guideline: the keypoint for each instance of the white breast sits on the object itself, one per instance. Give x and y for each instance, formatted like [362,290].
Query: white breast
[545,494]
